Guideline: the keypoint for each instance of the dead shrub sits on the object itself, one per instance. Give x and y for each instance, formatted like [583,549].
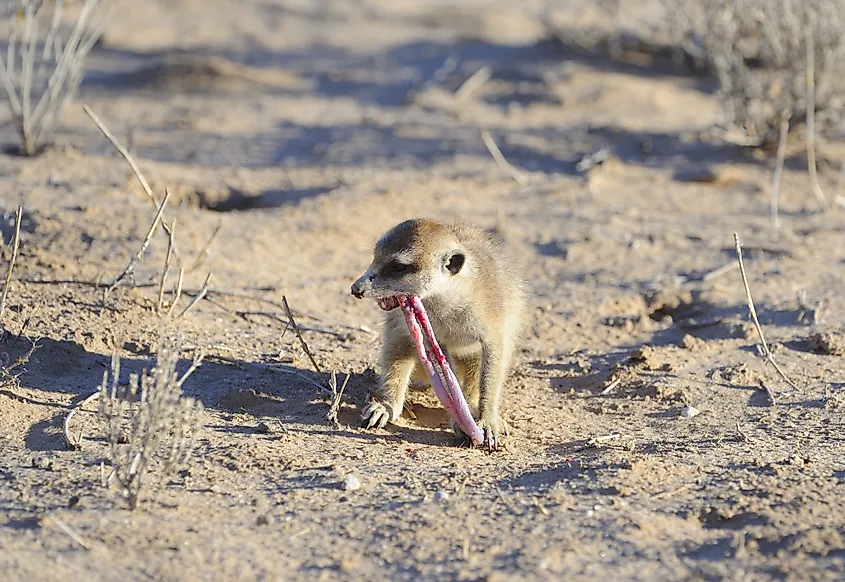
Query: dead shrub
[758,51]
[41,67]
[151,425]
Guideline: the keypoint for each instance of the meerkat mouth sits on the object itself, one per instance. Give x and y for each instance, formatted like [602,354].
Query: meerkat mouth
[388,303]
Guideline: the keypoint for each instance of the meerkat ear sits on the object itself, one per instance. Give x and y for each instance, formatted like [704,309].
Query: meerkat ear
[454,262]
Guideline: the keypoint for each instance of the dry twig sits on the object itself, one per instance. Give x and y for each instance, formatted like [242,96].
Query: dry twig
[68,531]
[299,335]
[69,442]
[198,297]
[811,117]
[203,254]
[500,160]
[15,246]
[130,266]
[177,293]
[666,494]
[160,302]
[129,160]
[753,311]
[337,398]
[473,83]
[268,368]
[775,196]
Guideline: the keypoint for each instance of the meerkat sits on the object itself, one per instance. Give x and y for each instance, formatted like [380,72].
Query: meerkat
[474,297]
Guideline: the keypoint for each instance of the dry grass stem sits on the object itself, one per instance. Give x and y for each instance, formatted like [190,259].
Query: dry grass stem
[666,494]
[500,160]
[269,368]
[177,292]
[776,176]
[130,266]
[765,388]
[129,160]
[203,254]
[66,529]
[753,311]
[160,302]
[811,117]
[473,83]
[71,443]
[337,398]
[16,243]
[198,297]
[609,388]
[298,333]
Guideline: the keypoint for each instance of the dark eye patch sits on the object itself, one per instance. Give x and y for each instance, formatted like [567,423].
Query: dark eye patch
[397,268]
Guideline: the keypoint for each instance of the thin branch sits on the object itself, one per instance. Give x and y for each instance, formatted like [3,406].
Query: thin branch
[160,302]
[774,204]
[15,245]
[197,361]
[268,368]
[130,266]
[753,311]
[811,117]
[203,254]
[129,160]
[473,83]
[177,293]
[299,335]
[123,152]
[68,531]
[337,398]
[69,442]
[500,160]
[198,297]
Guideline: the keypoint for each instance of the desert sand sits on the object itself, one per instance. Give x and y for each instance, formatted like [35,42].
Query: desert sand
[303,130]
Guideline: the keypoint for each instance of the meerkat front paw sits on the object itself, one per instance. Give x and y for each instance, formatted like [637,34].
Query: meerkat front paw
[494,429]
[376,415]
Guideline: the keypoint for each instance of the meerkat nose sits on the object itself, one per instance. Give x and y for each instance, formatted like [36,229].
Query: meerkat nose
[360,287]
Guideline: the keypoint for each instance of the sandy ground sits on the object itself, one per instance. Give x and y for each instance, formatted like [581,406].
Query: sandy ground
[306,129]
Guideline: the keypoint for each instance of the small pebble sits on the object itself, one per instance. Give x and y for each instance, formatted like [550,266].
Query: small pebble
[690,411]
[351,483]
[441,495]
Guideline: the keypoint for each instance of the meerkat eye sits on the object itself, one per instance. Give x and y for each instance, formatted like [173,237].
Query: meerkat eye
[455,263]
[395,268]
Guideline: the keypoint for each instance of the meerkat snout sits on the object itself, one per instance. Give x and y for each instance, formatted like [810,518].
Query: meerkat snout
[362,285]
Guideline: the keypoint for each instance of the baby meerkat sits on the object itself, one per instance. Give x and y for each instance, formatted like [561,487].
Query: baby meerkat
[474,297]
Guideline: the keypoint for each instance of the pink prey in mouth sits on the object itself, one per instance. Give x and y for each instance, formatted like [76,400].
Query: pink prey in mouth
[449,394]
[389,303]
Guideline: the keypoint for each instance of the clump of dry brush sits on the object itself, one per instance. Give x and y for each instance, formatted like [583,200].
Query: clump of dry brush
[151,425]
[776,60]
[46,42]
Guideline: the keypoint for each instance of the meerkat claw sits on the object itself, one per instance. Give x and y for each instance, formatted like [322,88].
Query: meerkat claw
[375,415]
[490,440]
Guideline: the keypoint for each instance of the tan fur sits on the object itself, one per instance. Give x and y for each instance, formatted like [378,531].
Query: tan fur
[475,313]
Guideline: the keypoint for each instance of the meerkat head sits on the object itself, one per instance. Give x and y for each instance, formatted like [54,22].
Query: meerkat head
[417,257]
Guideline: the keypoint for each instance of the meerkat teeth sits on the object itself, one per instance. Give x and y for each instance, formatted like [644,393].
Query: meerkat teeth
[388,303]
